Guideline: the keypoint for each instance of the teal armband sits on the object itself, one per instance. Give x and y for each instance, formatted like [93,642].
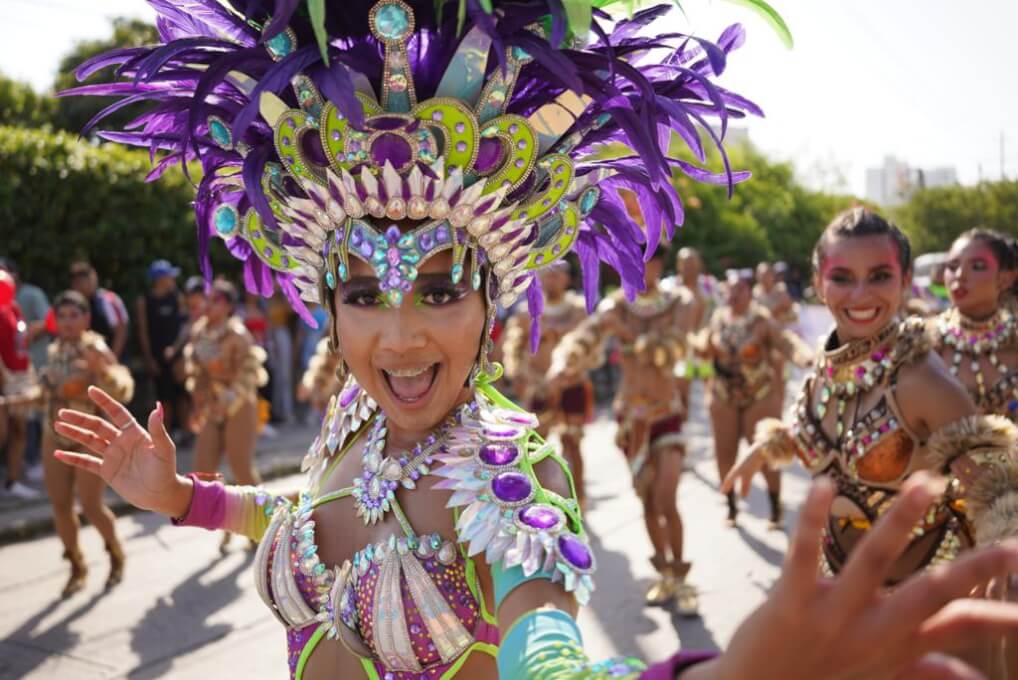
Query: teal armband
[507,580]
[546,645]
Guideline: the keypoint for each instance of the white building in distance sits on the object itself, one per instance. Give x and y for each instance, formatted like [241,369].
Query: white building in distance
[895,181]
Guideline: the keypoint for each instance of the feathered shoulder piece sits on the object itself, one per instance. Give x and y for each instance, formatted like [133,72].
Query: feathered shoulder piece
[323,127]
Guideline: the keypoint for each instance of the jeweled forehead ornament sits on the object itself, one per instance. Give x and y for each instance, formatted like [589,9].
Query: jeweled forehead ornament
[495,186]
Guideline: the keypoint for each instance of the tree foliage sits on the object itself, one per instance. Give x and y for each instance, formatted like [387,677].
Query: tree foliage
[21,106]
[62,198]
[933,218]
[770,217]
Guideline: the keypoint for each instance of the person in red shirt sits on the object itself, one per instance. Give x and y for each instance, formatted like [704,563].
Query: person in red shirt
[17,379]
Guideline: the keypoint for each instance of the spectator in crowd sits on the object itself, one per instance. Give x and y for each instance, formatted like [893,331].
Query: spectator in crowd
[34,307]
[195,302]
[16,380]
[160,317]
[108,312]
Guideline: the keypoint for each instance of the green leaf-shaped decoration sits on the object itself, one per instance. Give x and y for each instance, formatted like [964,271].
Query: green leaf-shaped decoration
[316,11]
[771,16]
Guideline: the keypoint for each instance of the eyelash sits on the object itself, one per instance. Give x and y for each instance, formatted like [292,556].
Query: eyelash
[374,298]
[879,277]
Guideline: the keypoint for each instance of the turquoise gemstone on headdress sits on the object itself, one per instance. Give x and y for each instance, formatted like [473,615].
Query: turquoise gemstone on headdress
[392,22]
[220,133]
[475,279]
[280,45]
[520,54]
[395,297]
[342,271]
[225,220]
[457,272]
[330,280]
[588,200]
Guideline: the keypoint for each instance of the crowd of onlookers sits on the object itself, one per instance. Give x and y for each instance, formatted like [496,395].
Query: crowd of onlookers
[148,337]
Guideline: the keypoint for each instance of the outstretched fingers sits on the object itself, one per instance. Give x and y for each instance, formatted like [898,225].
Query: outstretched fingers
[80,460]
[86,438]
[97,425]
[871,560]
[964,623]
[924,596]
[800,570]
[114,410]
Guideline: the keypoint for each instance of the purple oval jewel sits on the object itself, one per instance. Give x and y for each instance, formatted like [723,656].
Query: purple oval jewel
[489,154]
[499,454]
[393,148]
[575,551]
[540,516]
[511,487]
[426,241]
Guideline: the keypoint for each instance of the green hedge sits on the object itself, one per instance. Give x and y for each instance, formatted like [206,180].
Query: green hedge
[62,198]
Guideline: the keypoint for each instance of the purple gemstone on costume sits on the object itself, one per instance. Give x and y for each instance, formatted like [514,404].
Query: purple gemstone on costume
[366,249]
[519,418]
[575,551]
[392,256]
[311,145]
[539,516]
[425,241]
[393,148]
[442,234]
[356,237]
[489,154]
[392,234]
[499,453]
[348,395]
[511,487]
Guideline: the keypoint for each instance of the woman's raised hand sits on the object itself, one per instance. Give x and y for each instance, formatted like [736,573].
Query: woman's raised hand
[140,465]
[851,627]
[742,474]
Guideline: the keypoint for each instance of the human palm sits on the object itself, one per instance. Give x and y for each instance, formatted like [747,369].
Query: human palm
[140,464]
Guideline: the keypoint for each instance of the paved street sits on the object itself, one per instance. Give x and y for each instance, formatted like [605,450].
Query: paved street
[185,612]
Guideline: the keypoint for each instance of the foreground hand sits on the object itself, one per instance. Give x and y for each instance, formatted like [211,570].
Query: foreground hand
[743,473]
[140,465]
[850,627]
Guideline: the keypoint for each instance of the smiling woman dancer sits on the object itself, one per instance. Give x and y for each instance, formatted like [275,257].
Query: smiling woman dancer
[977,337]
[880,405]
[437,536]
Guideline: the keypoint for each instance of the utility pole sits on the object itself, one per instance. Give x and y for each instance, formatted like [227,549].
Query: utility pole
[1002,156]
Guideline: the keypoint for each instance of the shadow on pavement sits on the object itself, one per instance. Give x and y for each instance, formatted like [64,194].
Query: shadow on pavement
[53,641]
[693,632]
[180,622]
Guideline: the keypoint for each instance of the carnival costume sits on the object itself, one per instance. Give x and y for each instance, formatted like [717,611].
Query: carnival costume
[64,385]
[224,370]
[972,349]
[868,451]
[315,127]
[653,330]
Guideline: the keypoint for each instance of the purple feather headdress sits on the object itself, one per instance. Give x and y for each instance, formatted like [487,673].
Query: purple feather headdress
[482,124]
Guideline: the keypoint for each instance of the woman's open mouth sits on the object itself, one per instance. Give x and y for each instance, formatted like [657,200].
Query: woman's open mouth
[862,314]
[411,385]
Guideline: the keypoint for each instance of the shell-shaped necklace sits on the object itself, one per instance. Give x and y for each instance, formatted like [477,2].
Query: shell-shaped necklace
[375,490]
[975,339]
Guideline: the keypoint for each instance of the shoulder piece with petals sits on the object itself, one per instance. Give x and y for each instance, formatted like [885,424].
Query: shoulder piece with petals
[504,511]
[348,411]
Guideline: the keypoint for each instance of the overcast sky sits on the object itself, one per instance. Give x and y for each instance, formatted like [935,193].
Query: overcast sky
[929,81]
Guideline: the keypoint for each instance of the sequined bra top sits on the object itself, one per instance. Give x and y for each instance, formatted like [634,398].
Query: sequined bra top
[412,604]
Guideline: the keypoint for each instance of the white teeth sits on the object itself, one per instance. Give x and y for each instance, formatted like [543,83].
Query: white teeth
[408,372]
[861,314]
